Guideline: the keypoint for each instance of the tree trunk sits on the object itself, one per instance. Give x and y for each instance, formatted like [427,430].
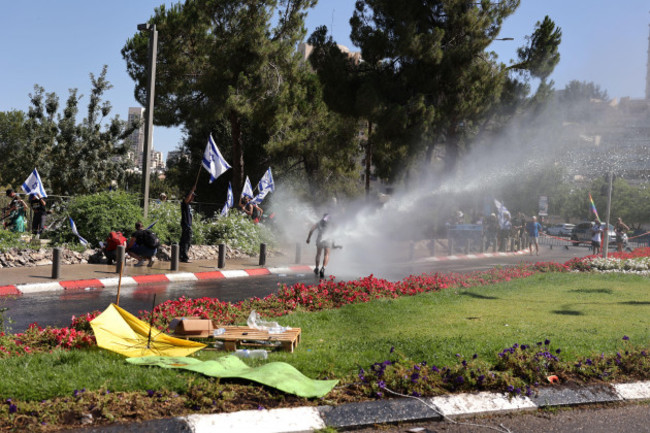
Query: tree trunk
[237,155]
[368,159]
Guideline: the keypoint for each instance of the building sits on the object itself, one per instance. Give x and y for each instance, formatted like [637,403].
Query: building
[136,139]
[305,51]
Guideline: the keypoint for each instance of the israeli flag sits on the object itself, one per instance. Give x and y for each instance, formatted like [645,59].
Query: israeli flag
[248,189]
[33,184]
[151,226]
[265,186]
[266,182]
[213,161]
[502,211]
[73,226]
[229,201]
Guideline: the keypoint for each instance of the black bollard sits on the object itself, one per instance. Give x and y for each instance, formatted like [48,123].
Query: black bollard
[175,257]
[56,262]
[120,258]
[298,252]
[450,245]
[432,247]
[262,254]
[222,256]
[468,246]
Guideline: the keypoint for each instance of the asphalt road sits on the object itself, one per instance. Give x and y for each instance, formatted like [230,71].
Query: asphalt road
[619,418]
[56,308]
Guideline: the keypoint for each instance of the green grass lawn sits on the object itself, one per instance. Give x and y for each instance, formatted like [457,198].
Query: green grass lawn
[582,314]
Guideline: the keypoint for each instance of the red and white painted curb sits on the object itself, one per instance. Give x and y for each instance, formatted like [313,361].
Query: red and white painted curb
[135,280]
[472,256]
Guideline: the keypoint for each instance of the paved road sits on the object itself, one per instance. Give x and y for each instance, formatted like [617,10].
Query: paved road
[56,308]
[619,418]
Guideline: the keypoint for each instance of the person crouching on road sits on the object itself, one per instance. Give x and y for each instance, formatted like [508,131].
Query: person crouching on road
[137,249]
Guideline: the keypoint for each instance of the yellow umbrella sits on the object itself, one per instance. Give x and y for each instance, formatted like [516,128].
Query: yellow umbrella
[119,331]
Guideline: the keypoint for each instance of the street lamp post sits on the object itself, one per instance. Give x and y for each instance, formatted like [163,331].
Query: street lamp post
[148,126]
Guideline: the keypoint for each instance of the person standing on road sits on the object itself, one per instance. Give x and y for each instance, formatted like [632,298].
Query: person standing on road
[186,226]
[323,245]
[620,229]
[533,228]
[596,231]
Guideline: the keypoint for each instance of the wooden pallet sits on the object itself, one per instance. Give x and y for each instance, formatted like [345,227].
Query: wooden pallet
[245,336]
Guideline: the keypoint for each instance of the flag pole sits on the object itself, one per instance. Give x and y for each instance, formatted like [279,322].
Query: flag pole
[196,182]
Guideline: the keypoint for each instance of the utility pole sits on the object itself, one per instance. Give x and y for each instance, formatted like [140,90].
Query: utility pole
[148,126]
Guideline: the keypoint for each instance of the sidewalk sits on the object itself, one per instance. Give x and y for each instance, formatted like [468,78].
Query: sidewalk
[42,275]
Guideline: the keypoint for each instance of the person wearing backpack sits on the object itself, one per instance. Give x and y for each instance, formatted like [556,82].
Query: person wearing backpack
[143,245]
[109,248]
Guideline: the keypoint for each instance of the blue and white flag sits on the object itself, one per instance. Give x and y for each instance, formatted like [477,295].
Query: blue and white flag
[265,186]
[248,189]
[229,201]
[213,161]
[33,184]
[504,214]
[151,226]
[73,226]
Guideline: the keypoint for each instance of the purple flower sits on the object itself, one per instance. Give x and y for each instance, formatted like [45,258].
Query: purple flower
[481,378]
[416,394]
[625,337]
[474,356]
[150,392]
[12,408]
[558,351]
[260,407]
[589,361]
[392,349]
[460,380]
[381,384]
[547,342]
[434,369]
[510,388]
[415,377]
[464,363]
[380,394]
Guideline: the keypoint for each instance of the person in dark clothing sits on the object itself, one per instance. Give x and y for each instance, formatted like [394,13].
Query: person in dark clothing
[186,226]
[137,247]
[37,203]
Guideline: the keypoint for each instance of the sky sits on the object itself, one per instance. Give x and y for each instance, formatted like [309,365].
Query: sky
[58,44]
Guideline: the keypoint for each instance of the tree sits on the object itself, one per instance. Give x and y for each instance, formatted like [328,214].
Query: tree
[221,63]
[71,158]
[12,136]
[446,84]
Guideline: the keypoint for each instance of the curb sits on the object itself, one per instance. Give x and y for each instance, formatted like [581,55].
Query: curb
[19,289]
[471,256]
[357,415]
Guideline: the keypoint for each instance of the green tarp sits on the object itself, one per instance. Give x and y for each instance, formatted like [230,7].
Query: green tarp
[278,375]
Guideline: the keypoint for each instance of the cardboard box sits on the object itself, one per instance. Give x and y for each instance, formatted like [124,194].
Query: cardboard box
[192,327]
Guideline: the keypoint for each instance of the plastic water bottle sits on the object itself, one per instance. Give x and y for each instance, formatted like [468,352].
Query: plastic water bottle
[256,353]
[219,331]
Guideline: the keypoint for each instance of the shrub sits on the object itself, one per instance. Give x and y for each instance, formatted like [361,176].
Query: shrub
[236,230]
[98,214]
[10,240]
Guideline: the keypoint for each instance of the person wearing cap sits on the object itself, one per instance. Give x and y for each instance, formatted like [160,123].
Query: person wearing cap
[15,213]
[186,226]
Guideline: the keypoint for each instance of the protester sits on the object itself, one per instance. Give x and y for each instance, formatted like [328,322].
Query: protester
[163,197]
[533,228]
[491,231]
[250,208]
[186,226]
[323,244]
[109,248]
[37,203]
[505,228]
[15,213]
[620,229]
[596,231]
[143,245]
